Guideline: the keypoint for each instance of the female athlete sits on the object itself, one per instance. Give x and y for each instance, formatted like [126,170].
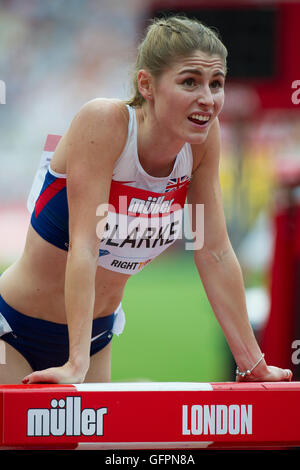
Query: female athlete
[110,201]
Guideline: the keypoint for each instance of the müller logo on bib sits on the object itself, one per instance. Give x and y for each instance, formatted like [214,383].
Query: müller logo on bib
[151,206]
[65,418]
[135,201]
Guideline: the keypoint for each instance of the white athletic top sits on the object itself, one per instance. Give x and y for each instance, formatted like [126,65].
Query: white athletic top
[144,213]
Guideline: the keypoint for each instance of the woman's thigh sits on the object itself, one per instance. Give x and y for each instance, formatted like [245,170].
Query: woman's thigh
[100,366]
[13,366]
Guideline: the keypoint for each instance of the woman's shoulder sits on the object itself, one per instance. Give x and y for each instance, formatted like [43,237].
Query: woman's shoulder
[105,108]
[100,121]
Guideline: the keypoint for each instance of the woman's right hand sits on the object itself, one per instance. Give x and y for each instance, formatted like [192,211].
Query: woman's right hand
[66,374]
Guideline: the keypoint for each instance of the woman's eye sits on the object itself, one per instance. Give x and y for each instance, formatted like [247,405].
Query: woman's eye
[216,84]
[189,82]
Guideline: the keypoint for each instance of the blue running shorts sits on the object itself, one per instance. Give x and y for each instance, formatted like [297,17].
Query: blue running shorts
[44,343]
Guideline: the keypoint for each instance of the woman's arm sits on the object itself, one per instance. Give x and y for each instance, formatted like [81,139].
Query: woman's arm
[91,146]
[218,266]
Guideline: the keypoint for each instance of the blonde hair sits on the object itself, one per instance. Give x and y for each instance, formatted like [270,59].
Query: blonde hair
[168,39]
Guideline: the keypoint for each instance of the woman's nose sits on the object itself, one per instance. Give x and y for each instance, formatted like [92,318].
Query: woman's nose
[205,97]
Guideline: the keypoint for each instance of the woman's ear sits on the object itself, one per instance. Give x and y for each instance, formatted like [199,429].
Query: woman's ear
[144,80]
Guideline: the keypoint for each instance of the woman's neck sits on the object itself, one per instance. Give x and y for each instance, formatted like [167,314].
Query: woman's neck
[156,150]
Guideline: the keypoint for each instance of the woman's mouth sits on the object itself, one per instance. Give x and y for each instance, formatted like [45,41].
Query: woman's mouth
[199,119]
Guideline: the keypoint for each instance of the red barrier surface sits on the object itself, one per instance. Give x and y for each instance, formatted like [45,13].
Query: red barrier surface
[150,415]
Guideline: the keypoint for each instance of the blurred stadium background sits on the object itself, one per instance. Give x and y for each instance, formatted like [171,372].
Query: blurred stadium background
[56,55]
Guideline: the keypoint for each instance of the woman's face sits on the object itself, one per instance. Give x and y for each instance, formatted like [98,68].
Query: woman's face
[189,96]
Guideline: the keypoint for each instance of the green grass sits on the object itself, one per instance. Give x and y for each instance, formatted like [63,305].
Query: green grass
[171,333]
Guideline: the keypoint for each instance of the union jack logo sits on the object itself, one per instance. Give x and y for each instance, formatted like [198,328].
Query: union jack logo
[176,183]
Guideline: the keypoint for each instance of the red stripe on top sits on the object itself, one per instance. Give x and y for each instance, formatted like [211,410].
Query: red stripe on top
[48,194]
[51,142]
[255,386]
[52,388]
[121,195]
